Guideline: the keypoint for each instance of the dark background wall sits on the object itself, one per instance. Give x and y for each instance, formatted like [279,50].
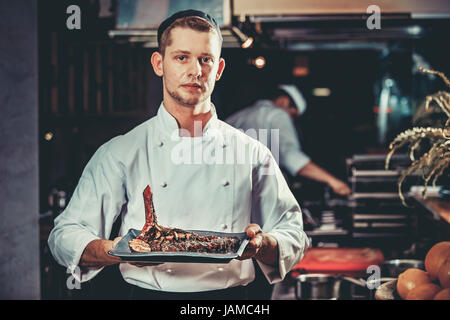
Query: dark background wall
[19,208]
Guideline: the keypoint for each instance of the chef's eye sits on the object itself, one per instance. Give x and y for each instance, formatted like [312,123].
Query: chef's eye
[206,60]
[181,58]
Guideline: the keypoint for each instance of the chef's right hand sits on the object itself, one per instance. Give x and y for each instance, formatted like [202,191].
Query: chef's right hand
[339,187]
[137,264]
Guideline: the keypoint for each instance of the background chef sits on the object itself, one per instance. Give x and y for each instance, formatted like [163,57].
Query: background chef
[225,197]
[277,112]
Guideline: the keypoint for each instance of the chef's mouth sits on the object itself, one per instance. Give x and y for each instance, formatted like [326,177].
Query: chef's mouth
[192,85]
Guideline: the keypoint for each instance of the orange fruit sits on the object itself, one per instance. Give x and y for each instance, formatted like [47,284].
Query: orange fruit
[444,273]
[435,257]
[443,295]
[410,279]
[425,291]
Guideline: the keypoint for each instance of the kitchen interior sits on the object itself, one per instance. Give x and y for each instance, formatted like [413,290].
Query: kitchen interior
[362,85]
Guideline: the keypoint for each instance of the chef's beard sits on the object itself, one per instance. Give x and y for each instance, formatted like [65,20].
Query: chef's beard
[185,98]
[190,102]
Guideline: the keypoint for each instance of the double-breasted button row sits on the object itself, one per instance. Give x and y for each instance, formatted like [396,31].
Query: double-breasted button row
[225,183]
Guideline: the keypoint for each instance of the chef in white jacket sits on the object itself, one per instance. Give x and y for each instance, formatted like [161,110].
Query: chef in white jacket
[275,115]
[203,173]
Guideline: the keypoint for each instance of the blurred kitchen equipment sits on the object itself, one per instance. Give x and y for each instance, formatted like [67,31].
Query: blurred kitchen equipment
[392,268]
[444,193]
[376,209]
[352,288]
[330,287]
[309,217]
[352,262]
[342,271]
[317,287]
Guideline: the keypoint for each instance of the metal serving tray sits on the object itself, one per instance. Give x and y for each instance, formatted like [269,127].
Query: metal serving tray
[123,251]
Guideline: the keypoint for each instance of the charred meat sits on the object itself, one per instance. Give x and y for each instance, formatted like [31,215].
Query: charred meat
[154,237]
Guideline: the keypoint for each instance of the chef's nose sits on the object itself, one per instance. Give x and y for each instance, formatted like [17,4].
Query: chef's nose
[195,68]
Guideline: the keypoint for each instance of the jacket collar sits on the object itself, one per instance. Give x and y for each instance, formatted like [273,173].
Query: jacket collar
[168,124]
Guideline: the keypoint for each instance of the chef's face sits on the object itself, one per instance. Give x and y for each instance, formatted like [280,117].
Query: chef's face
[285,103]
[190,66]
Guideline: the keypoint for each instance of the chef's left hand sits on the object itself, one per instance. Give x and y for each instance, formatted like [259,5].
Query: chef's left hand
[262,246]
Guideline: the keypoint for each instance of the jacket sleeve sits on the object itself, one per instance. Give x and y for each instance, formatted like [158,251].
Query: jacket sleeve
[276,210]
[90,214]
[291,156]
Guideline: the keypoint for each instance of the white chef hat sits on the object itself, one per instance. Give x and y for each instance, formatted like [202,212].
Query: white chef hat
[295,95]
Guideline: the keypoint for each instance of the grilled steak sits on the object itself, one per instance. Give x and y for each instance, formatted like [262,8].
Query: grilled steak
[154,237]
[137,245]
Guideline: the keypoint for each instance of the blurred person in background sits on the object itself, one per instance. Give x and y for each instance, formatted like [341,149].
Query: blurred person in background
[278,112]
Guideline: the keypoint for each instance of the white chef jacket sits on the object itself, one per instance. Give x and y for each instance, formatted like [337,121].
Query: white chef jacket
[264,115]
[219,197]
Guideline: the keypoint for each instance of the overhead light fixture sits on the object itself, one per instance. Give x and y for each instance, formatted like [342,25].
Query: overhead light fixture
[321,92]
[246,41]
[301,68]
[259,62]
[48,136]
[415,30]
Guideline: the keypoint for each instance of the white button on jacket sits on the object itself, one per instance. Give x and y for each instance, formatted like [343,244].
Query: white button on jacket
[189,193]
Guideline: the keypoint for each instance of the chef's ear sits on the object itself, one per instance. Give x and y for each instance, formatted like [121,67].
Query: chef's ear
[220,69]
[157,63]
